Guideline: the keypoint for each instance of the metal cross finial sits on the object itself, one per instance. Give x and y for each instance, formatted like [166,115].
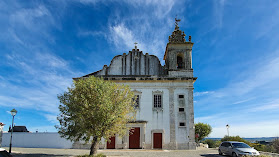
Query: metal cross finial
[135,45]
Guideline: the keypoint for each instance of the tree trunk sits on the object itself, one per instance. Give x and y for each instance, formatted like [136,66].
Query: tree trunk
[94,145]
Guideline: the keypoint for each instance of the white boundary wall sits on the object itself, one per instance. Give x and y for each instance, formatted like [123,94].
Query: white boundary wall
[36,140]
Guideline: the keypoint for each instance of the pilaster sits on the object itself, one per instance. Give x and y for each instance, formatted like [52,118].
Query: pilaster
[190,119]
[172,144]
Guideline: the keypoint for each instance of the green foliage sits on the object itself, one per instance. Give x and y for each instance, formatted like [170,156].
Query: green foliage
[217,143]
[269,148]
[94,108]
[211,143]
[203,130]
[97,155]
[275,145]
[258,146]
[234,138]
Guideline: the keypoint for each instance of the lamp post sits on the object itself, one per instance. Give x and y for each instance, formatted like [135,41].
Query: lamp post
[13,113]
[228,129]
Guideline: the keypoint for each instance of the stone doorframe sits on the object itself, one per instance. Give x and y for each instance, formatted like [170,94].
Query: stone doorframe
[136,124]
[163,137]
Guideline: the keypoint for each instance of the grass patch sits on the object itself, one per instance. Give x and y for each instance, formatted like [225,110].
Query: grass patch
[97,155]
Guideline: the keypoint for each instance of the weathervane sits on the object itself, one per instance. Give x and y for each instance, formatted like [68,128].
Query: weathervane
[176,21]
[135,45]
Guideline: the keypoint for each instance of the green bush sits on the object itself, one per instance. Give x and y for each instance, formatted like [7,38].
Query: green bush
[275,145]
[234,138]
[269,148]
[211,143]
[98,155]
[217,143]
[257,146]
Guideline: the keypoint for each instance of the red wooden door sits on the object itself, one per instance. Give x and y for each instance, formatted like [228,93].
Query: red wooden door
[111,144]
[157,140]
[134,138]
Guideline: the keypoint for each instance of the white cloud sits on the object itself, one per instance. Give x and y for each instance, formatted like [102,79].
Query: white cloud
[242,101]
[161,7]
[250,84]
[273,107]
[219,12]
[39,82]
[203,93]
[122,36]
[52,118]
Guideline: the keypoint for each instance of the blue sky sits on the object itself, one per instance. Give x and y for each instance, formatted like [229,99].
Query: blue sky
[44,44]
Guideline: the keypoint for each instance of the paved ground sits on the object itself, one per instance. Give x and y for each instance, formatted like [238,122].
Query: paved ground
[47,152]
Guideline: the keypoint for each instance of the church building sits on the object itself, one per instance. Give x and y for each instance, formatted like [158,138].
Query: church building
[164,95]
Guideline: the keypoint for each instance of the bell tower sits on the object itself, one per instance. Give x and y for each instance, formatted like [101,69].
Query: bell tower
[178,54]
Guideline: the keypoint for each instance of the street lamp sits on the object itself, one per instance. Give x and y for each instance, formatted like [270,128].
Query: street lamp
[13,113]
[228,129]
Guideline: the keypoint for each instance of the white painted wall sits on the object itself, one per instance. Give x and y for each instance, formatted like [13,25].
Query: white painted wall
[161,119]
[36,140]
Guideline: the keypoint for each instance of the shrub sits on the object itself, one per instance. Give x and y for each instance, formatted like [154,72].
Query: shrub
[217,143]
[234,138]
[211,143]
[275,145]
[257,146]
[269,148]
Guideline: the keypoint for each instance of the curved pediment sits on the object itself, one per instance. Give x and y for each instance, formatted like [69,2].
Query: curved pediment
[133,63]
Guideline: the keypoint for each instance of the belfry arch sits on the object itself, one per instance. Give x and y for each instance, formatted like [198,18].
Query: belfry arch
[180,61]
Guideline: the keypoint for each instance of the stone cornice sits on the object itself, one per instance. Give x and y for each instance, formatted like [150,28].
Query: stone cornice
[143,78]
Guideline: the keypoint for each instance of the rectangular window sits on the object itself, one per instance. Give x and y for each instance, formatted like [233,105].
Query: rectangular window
[181,96]
[157,101]
[181,109]
[181,124]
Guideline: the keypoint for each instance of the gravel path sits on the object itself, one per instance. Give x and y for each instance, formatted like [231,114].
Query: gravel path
[49,152]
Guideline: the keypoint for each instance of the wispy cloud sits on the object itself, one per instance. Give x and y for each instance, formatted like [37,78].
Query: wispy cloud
[265,107]
[35,73]
[242,101]
[249,83]
[122,36]
[219,12]
[203,93]
[161,7]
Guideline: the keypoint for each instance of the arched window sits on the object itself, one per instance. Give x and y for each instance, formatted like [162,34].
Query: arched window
[179,62]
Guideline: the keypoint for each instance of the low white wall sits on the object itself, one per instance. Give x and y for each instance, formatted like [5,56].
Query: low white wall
[36,140]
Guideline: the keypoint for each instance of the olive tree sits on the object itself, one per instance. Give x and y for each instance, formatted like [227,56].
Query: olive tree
[202,130]
[93,108]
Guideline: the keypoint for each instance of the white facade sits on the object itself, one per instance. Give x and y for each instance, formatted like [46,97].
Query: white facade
[165,116]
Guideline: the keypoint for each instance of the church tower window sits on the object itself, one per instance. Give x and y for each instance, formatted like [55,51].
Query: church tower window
[179,62]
